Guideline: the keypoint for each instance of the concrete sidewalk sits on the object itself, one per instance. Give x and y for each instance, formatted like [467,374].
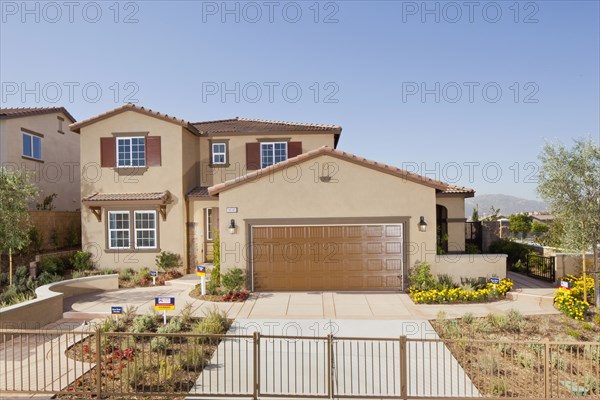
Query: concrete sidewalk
[309,305]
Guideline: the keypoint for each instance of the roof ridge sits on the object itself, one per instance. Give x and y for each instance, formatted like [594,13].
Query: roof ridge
[270,121]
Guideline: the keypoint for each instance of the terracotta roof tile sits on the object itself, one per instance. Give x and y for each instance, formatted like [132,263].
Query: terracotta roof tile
[198,191]
[238,124]
[157,196]
[458,189]
[18,112]
[325,150]
[132,107]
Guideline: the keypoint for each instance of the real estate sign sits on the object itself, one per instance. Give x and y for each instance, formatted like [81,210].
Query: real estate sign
[164,303]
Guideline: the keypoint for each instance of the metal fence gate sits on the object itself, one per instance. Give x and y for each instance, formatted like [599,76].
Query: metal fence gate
[541,267]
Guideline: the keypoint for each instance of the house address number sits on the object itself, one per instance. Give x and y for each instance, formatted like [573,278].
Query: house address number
[231,209]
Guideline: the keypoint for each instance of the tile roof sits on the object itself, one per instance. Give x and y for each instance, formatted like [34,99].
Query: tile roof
[458,189]
[198,191]
[325,150]
[238,124]
[142,110]
[153,196]
[19,112]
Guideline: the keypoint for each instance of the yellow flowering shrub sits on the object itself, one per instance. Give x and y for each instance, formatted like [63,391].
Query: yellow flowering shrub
[459,295]
[570,301]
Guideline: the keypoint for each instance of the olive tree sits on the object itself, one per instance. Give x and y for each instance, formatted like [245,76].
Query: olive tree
[569,182]
[16,193]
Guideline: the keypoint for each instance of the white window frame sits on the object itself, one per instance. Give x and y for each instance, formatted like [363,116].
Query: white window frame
[31,147]
[129,138]
[111,230]
[209,222]
[136,229]
[219,153]
[262,164]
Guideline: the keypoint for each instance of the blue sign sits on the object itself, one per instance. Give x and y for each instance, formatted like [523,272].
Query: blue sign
[116,310]
[565,285]
[495,281]
[201,270]
[153,273]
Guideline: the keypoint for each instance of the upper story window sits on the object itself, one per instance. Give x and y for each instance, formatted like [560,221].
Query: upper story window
[219,153]
[272,153]
[32,146]
[131,152]
[60,124]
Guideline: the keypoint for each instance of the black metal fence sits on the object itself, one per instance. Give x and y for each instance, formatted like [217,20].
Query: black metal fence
[541,267]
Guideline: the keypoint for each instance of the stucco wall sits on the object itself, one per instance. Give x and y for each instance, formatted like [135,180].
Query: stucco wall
[169,176]
[468,265]
[354,191]
[237,152]
[59,172]
[196,228]
[571,263]
[47,307]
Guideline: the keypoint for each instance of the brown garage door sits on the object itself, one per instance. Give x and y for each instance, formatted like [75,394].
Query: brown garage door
[327,257]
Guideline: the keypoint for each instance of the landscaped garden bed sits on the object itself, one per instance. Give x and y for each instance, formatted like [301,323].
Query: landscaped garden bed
[504,355]
[227,287]
[427,289]
[141,354]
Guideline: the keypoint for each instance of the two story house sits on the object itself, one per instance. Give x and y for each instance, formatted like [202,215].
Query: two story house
[288,207]
[38,139]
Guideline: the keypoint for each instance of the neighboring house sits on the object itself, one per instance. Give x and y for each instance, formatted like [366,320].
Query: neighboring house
[289,208]
[543,217]
[39,140]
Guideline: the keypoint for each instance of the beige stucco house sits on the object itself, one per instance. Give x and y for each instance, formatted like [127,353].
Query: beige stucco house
[39,140]
[290,208]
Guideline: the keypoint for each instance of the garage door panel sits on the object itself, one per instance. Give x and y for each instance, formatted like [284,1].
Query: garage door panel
[350,257]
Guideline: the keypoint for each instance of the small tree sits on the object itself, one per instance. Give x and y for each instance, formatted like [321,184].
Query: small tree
[569,181]
[520,224]
[475,214]
[538,229]
[16,192]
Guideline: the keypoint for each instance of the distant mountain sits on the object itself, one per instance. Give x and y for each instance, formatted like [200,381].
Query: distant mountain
[507,204]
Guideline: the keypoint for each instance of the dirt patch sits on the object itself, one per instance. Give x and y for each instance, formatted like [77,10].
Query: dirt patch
[510,355]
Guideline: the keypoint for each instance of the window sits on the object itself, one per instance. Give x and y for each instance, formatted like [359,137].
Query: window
[60,125]
[32,146]
[219,153]
[145,229]
[118,229]
[272,153]
[209,224]
[131,152]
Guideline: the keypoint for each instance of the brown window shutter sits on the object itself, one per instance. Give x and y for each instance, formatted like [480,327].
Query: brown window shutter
[294,149]
[252,156]
[153,154]
[108,152]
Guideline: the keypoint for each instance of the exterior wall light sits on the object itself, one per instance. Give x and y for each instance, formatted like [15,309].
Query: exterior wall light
[422,225]
[232,226]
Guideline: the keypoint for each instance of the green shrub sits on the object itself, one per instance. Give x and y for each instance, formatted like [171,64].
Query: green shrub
[498,321]
[445,281]
[108,325]
[212,287]
[45,278]
[166,261]
[187,313]
[143,323]
[468,318]
[159,343]
[516,322]
[52,265]
[558,362]
[420,277]
[82,261]
[525,359]
[215,322]
[126,274]
[515,251]
[475,283]
[174,326]
[134,374]
[500,387]
[233,280]
[488,363]
[193,359]
[36,239]
[73,235]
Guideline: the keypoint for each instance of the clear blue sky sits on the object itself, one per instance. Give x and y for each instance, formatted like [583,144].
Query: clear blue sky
[370,61]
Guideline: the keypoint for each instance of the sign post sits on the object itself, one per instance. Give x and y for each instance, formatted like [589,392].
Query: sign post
[153,274]
[116,312]
[565,285]
[201,272]
[163,304]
